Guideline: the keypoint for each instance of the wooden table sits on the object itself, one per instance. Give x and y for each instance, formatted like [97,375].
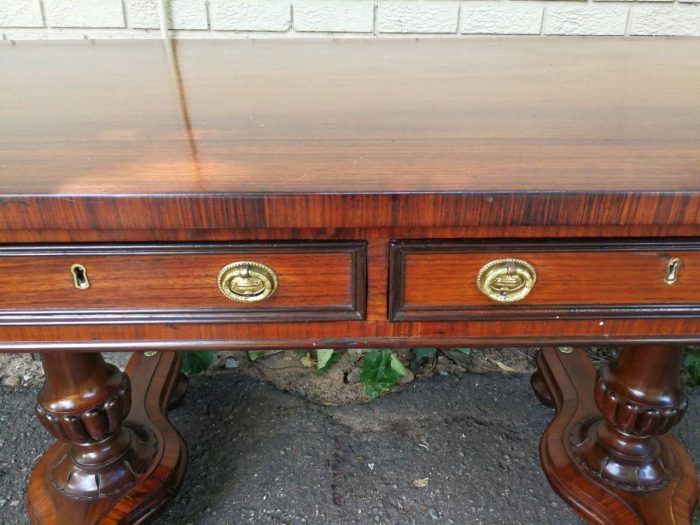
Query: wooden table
[294,194]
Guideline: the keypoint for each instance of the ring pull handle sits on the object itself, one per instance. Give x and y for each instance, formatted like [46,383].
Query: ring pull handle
[506,280]
[247,281]
[673,270]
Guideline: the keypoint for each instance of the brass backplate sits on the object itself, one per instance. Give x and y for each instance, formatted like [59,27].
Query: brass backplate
[506,280]
[247,281]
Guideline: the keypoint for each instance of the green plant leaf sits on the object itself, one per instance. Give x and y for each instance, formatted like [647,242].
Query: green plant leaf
[326,358]
[691,361]
[381,371]
[423,355]
[397,366]
[195,362]
[254,355]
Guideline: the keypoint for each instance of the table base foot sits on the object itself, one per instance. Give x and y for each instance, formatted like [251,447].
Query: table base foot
[569,380]
[156,383]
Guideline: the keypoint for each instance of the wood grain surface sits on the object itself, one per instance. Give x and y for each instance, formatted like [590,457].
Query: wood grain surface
[20,337]
[438,280]
[316,116]
[286,134]
[178,283]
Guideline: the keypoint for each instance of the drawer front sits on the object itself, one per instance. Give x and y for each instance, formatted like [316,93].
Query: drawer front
[546,280]
[183,283]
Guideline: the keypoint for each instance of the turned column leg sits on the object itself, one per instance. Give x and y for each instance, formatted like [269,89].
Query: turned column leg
[118,458]
[639,397]
[84,403]
[608,451]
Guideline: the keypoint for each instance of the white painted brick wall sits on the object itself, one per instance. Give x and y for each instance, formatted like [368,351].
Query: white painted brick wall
[32,19]
[182,14]
[188,14]
[417,17]
[514,18]
[84,13]
[20,13]
[142,14]
[250,15]
[568,18]
[654,20]
[336,16]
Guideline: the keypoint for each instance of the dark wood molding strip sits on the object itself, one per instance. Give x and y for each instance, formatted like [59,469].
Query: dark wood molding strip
[201,248]
[543,313]
[544,245]
[338,343]
[172,316]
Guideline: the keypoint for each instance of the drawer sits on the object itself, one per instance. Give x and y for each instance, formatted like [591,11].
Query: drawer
[543,280]
[183,283]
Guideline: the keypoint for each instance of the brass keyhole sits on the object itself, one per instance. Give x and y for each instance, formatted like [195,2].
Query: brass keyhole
[673,270]
[80,276]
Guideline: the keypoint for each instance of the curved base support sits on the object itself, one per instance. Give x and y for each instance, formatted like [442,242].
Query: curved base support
[179,391]
[540,390]
[155,382]
[570,379]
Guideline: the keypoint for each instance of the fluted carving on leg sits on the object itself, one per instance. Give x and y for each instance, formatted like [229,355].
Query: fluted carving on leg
[83,404]
[640,397]
[94,424]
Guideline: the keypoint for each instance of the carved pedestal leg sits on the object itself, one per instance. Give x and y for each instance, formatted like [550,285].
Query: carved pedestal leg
[640,397]
[118,459]
[607,452]
[83,403]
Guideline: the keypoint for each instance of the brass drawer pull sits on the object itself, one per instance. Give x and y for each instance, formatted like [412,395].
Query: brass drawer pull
[506,280]
[247,282]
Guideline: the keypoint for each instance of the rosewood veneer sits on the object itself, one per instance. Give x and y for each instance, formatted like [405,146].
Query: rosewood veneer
[158,196]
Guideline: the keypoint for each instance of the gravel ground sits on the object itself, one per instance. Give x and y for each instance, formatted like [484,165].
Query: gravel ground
[262,456]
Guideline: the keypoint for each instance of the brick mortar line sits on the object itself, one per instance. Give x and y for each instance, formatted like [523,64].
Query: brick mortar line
[44,20]
[125,14]
[543,21]
[207,14]
[375,8]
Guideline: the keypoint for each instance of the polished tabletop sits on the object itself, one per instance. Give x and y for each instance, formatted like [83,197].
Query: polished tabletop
[440,115]
[105,136]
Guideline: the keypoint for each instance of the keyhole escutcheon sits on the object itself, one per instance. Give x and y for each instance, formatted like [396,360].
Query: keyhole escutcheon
[80,276]
[673,270]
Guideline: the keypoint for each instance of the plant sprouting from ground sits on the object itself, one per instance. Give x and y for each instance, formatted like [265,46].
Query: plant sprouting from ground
[381,371]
